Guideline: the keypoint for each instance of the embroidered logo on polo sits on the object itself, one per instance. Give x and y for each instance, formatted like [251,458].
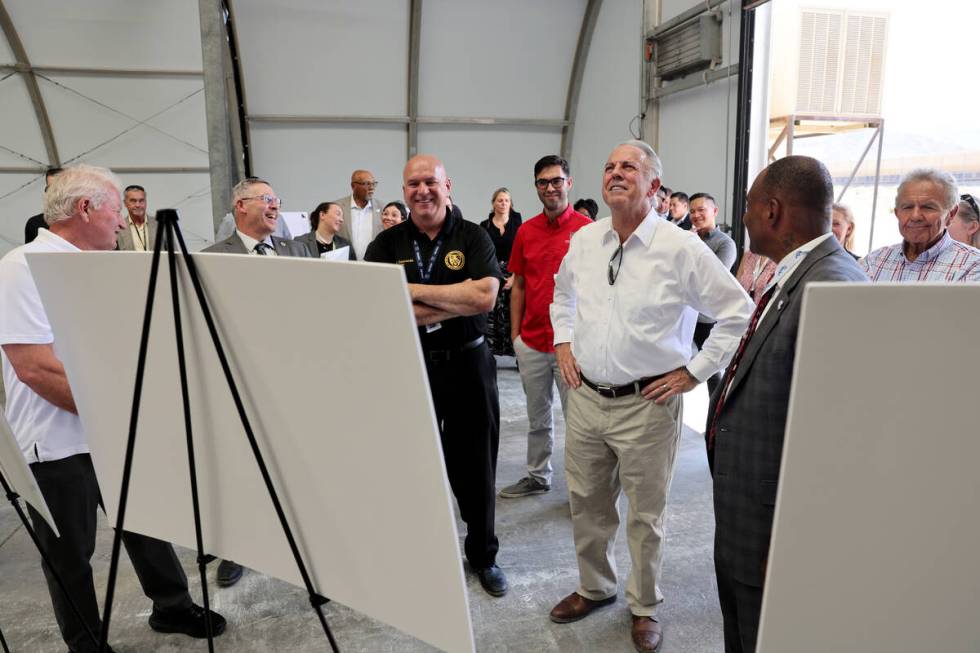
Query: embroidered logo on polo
[455,260]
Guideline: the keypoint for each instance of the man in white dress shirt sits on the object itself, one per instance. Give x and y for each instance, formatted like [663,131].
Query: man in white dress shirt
[627,298]
[362,213]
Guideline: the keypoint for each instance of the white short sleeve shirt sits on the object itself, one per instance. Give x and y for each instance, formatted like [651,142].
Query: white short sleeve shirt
[43,431]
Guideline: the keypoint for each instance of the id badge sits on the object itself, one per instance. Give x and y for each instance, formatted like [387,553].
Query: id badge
[429,328]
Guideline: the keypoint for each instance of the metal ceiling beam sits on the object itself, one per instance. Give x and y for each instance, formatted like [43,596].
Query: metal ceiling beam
[99,72]
[402,120]
[414,38]
[20,54]
[589,20]
[120,170]
[214,39]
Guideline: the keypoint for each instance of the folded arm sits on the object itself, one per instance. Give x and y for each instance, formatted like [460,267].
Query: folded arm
[470,297]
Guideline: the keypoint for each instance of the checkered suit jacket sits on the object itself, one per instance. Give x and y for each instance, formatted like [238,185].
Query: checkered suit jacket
[749,437]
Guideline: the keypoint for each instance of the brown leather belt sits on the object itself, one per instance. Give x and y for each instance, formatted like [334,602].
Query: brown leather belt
[621,390]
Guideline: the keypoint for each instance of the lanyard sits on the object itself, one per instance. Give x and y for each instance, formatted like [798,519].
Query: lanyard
[425,273]
[140,234]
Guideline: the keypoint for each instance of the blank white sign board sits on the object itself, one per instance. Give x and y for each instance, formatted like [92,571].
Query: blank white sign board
[14,468]
[876,532]
[327,359]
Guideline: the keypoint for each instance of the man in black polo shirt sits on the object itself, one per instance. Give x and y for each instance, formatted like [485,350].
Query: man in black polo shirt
[453,276]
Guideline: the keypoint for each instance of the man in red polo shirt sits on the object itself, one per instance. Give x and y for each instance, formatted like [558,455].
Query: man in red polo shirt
[539,247]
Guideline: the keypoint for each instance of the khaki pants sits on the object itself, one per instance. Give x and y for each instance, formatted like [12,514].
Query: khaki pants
[611,445]
[539,374]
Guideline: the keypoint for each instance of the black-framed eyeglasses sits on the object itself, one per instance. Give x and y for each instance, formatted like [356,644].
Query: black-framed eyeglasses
[969,199]
[555,182]
[614,272]
[370,184]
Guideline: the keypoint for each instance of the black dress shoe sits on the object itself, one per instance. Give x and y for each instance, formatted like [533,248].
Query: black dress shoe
[188,621]
[493,580]
[229,573]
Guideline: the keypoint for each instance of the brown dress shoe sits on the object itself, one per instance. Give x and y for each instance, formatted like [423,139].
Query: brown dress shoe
[575,606]
[646,634]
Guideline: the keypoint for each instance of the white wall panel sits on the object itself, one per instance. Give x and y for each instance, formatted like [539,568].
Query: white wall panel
[20,198]
[6,54]
[697,139]
[19,130]
[311,57]
[500,59]
[88,112]
[307,165]
[109,33]
[483,159]
[610,95]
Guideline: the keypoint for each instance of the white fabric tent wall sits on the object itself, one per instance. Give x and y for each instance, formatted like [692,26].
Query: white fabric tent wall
[122,121]
[503,60]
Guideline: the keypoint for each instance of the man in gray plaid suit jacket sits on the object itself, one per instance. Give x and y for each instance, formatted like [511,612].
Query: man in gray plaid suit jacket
[788,220]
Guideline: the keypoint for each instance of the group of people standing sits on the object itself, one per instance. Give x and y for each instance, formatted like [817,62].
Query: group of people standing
[605,312]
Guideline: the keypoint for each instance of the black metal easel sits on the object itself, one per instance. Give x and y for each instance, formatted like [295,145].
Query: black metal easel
[169,230]
[14,500]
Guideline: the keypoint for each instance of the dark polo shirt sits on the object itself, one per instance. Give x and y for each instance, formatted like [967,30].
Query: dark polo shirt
[465,252]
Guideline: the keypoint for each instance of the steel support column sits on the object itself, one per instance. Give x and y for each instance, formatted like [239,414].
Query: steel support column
[216,101]
[589,20]
[24,68]
[414,37]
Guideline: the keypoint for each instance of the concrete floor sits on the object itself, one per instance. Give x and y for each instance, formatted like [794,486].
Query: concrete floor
[536,551]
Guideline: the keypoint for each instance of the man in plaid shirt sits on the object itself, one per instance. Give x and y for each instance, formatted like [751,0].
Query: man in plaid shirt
[927,199]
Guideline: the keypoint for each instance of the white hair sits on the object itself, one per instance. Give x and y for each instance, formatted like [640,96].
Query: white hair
[655,166]
[944,179]
[76,183]
[241,189]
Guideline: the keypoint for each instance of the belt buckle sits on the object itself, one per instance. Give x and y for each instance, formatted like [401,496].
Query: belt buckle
[605,390]
[439,356]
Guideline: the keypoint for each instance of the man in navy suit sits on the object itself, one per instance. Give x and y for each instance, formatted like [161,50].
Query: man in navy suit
[788,219]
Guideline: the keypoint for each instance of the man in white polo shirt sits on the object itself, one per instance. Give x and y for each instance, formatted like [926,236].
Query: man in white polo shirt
[82,209]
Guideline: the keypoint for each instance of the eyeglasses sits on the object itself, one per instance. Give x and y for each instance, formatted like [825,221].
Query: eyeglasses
[268,199]
[370,184]
[556,183]
[613,274]
[966,197]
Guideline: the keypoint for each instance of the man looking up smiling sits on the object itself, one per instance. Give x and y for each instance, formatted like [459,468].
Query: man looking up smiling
[453,277]
[627,297]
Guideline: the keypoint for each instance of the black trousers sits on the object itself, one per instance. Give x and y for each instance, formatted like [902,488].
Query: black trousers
[701,333]
[464,391]
[72,493]
[741,607]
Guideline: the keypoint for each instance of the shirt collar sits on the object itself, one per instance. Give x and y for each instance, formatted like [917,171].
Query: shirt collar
[355,207]
[562,218]
[789,263]
[129,221]
[250,242]
[453,217]
[933,252]
[53,239]
[644,231]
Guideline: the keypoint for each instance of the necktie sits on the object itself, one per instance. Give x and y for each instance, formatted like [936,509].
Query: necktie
[733,366]
[260,248]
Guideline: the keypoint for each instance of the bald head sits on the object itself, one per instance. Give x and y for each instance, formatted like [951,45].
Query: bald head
[362,185]
[805,185]
[789,205]
[426,187]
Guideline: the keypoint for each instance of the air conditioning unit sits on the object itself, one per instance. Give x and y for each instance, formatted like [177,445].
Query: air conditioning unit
[830,62]
[694,46]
